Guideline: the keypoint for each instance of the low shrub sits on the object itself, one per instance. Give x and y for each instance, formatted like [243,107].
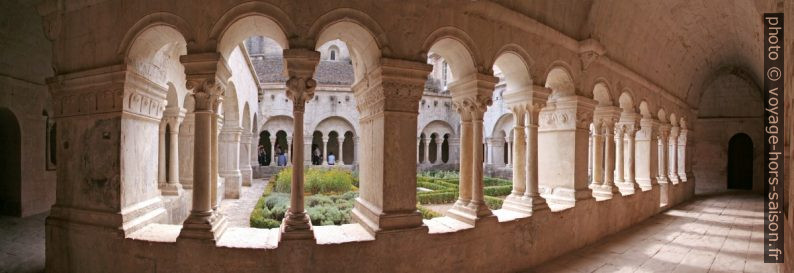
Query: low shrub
[491,181]
[325,215]
[431,186]
[260,219]
[318,200]
[498,190]
[443,197]
[493,202]
[318,180]
[427,213]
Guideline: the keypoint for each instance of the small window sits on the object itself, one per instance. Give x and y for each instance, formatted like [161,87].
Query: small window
[333,55]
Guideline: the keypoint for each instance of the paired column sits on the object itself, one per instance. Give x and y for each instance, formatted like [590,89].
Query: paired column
[509,145]
[273,155]
[300,65]
[173,186]
[161,173]
[341,159]
[418,145]
[207,89]
[471,97]
[597,155]
[289,150]
[672,155]
[325,151]
[214,176]
[608,188]
[439,141]
[682,161]
[388,103]
[186,140]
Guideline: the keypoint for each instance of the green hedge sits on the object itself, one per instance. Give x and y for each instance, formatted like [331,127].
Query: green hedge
[427,213]
[431,185]
[498,190]
[491,181]
[443,197]
[493,202]
[318,180]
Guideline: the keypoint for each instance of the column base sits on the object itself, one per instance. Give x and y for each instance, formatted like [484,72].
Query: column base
[673,180]
[174,189]
[470,212]
[297,227]
[186,184]
[683,177]
[566,196]
[203,226]
[525,204]
[376,221]
[646,184]
[627,188]
[605,191]
[247,176]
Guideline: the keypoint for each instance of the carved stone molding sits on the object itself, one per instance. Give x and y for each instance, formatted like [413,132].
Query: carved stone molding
[397,85]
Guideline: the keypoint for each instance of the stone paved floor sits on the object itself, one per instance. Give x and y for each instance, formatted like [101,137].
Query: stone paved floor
[717,233]
[22,244]
[238,211]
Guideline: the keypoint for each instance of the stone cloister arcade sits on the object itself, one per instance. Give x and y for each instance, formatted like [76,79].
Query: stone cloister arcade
[161,115]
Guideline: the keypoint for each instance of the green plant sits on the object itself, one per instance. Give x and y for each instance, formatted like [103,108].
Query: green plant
[493,202]
[443,197]
[325,215]
[427,213]
[491,181]
[318,180]
[498,190]
[431,185]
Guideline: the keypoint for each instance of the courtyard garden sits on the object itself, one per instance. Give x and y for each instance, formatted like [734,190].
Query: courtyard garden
[331,193]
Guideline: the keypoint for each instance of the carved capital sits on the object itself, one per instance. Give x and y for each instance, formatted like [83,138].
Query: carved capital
[300,90]
[207,93]
[394,86]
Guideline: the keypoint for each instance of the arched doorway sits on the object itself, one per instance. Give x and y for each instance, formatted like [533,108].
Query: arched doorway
[10,164]
[740,162]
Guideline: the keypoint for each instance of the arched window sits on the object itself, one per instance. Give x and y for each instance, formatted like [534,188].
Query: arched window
[333,52]
[333,55]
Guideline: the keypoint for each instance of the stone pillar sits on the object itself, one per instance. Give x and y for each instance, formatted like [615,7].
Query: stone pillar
[608,188]
[604,119]
[216,118]
[672,155]
[245,158]
[663,135]
[454,149]
[254,151]
[388,103]
[355,150]
[173,187]
[515,201]
[207,89]
[439,141]
[186,141]
[307,150]
[229,160]
[161,175]
[341,159]
[325,151]
[597,156]
[647,154]
[562,143]
[619,154]
[273,155]
[472,96]
[300,65]
[682,141]
[533,108]
[426,142]
[630,185]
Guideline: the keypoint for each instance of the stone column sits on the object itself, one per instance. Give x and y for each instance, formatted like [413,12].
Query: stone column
[273,155]
[532,194]
[682,141]
[388,103]
[341,159]
[325,151]
[186,141]
[562,143]
[628,168]
[216,118]
[619,154]
[254,151]
[418,145]
[229,160]
[515,201]
[300,65]
[245,158]
[454,149]
[597,156]
[647,154]
[608,188]
[426,142]
[307,150]
[439,141]
[672,156]
[161,175]
[662,136]
[472,96]
[173,187]
[203,223]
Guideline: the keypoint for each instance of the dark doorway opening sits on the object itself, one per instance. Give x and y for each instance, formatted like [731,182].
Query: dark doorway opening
[10,164]
[740,162]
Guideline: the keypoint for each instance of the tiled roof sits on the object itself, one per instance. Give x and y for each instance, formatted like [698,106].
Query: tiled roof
[328,72]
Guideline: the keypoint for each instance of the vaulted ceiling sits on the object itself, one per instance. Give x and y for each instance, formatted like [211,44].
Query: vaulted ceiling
[680,45]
